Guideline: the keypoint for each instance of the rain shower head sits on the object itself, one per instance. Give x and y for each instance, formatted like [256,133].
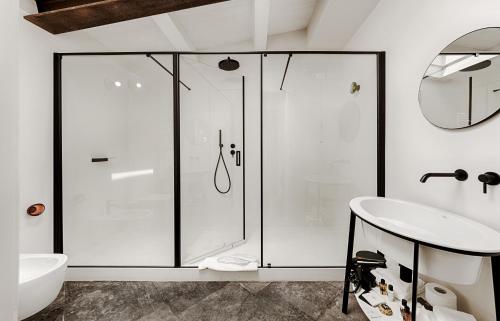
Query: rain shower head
[229,64]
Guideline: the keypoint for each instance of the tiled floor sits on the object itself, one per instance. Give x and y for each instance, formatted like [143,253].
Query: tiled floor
[199,301]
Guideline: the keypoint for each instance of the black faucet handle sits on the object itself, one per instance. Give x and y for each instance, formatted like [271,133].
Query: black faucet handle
[489,178]
[461,175]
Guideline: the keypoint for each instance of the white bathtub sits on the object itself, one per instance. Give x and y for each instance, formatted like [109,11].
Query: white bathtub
[41,277]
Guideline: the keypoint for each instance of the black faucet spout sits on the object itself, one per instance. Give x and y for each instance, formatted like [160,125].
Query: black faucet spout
[425,177]
[459,175]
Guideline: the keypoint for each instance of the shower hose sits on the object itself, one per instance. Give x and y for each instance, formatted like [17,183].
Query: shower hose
[221,157]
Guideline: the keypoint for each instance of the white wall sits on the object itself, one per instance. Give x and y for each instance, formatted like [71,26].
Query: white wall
[9,121]
[35,113]
[412,33]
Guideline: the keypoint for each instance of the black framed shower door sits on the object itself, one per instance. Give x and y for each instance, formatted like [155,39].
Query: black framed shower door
[177,84]
[213,113]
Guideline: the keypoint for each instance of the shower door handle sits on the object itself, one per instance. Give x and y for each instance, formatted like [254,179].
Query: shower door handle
[238,158]
[99,159]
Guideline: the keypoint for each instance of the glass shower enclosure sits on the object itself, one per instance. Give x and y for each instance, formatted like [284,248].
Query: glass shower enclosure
[212,157]
[319,151]
[163,159]
[117,164]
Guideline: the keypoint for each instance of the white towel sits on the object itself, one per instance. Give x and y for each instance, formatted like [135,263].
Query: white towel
[445,314]
[230,263]
[402,290]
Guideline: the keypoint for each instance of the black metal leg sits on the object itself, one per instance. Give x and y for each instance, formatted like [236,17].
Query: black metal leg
[495,269]
[416,248]
[348,264]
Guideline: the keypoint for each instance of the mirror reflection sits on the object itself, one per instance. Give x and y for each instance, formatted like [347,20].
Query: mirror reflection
[461,87]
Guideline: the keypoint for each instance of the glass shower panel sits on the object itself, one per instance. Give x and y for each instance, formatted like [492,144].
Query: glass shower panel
[212,164]
[118,190]
[319,151]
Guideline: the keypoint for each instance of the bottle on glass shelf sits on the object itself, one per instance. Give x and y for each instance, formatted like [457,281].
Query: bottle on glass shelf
[404,305]
[383,287]
[390,293]
[407,314]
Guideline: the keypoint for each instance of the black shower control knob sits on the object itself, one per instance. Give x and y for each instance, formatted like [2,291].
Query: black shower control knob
[233,145]
[489,178]
[233,152]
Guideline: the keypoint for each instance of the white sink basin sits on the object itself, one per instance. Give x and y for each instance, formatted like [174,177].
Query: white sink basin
[439,232]
[41,277]
[428,224]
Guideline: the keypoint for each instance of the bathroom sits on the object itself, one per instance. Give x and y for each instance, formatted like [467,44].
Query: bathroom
[288,205]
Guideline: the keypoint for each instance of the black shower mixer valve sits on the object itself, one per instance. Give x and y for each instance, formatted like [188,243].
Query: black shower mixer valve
[233,151]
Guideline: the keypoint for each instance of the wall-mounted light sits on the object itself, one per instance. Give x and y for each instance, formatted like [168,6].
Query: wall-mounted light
[138,85]
[118,84]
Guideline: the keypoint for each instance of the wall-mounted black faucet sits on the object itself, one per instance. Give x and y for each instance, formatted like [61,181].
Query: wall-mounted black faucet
[489,178]
[459,175]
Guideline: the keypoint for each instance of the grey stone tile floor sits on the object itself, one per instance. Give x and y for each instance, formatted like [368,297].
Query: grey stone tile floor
[200,301]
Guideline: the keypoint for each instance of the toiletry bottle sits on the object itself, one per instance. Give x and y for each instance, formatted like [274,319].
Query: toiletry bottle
[404,304]
[407,314]
[390,293]
[383,287]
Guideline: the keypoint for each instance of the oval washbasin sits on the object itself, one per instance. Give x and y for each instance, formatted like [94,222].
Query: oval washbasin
[429,225]
[41,277]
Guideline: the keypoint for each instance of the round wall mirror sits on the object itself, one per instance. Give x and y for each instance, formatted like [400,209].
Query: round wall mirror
[461,86]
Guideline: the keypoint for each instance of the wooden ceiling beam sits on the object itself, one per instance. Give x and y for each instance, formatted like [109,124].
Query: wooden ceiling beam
[103,12]
[50,5]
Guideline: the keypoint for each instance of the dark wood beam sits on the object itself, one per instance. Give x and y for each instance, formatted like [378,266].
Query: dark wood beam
[103,12]
[50,5]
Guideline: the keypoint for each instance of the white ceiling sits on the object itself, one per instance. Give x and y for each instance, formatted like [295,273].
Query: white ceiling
[336,21]
[290,15]
[217,24]
[233,21]
[132,35]
[329,23]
